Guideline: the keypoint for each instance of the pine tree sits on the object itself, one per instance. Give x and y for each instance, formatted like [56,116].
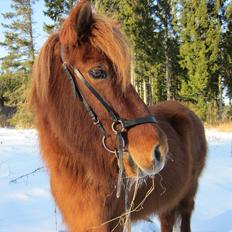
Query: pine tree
[17,64]
[56,10]
[199,52]
[227,51]
[168,68]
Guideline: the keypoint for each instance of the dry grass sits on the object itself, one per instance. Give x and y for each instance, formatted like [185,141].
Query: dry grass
[225,126]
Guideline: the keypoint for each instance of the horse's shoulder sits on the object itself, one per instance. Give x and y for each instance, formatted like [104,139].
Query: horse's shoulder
[171,111]
[172,115]
[178,116]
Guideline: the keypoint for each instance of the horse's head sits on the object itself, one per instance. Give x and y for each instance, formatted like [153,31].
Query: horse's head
[95,46]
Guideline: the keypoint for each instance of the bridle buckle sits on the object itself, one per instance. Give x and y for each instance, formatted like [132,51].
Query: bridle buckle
[96,122]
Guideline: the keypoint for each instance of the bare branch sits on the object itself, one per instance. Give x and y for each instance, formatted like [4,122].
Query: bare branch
[26,175]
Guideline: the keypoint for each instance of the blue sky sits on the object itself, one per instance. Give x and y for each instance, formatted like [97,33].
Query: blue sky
[38,18]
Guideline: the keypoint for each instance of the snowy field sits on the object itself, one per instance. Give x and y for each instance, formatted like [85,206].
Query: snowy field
[27,206]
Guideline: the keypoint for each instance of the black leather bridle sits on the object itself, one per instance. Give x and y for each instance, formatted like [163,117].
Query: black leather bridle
[119,125]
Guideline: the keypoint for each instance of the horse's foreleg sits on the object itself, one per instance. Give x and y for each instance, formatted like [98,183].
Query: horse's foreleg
[185,209]
[185,222]
[82,209]
[167,221]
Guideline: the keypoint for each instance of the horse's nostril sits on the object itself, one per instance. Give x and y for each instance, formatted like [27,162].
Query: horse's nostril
[157,154]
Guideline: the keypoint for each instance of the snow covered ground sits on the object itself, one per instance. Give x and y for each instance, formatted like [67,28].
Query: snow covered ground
[27,206]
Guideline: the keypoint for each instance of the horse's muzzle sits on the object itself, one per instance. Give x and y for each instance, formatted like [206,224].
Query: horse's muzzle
[156,166]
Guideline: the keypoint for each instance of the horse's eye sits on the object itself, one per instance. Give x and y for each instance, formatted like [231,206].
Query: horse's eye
[98,73]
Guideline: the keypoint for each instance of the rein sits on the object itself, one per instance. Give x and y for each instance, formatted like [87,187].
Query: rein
[119,125]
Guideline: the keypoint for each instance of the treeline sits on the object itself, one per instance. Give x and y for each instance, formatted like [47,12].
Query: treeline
[16,66]
[182,50]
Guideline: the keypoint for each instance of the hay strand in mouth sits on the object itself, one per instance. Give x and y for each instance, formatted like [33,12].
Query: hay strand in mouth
[127,223]
[122,217]
[161,185]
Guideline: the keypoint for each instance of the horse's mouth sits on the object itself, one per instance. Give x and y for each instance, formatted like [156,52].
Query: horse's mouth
[135,170]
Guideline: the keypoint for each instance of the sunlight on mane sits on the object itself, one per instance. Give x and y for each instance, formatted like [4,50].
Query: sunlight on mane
[107,37]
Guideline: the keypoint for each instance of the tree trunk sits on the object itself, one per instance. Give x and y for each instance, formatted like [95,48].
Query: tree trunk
[71,4]
[220,98]
[145,92]
[167,64]
[32,47]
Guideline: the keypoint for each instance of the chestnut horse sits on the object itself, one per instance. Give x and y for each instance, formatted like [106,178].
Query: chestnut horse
[83,71]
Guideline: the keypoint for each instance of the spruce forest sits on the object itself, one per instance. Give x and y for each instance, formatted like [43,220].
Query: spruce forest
[182,51]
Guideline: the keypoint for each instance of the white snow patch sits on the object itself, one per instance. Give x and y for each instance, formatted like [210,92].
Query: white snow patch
[31,193]
[27,205]
[18,196]
[39,192]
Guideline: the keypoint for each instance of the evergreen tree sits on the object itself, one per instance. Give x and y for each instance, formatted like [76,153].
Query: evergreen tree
[17,64]
[227,51]
[167,66]
[56,10]
[199,52]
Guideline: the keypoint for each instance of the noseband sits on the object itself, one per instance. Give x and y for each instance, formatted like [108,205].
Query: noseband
[119,125]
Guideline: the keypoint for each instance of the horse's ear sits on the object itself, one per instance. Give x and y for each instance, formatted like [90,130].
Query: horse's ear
[77,27]
[84,21]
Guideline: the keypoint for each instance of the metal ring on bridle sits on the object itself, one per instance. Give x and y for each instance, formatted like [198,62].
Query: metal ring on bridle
[115,125]
[106,147]
[110,150]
